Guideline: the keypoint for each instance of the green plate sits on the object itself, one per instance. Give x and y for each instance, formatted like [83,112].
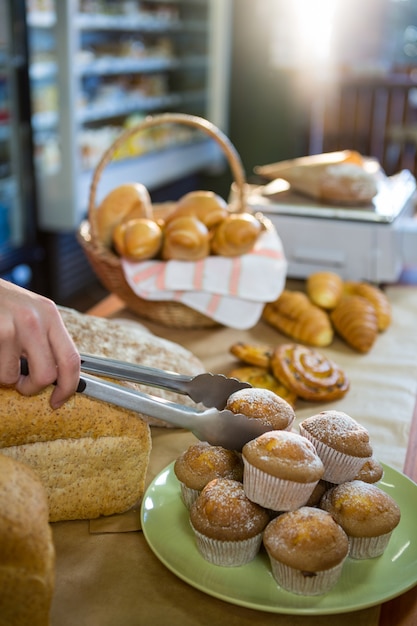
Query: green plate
[362,584]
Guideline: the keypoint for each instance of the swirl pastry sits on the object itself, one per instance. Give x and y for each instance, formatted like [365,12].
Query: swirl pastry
[297,317]
[206,206]
[377,297]
[308,373]
[355,320]
[185,239]
[324,289]
[236,235]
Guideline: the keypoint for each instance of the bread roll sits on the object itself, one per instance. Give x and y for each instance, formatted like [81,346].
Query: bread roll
[90,456]
[236,235]
[130,198]
[297,317]
[207,206]
[185,239]
[355,320]
[324,289]
[138,239]
[27,555]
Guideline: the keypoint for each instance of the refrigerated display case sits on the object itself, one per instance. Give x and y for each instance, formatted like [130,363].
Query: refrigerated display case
[98,67]
[21,254]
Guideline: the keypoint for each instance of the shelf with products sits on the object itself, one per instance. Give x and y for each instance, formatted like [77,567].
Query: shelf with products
[99,64]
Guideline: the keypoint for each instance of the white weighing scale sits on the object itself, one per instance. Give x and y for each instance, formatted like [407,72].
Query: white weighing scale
[372,243]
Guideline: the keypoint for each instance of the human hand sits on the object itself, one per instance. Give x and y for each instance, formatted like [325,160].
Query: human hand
[31,326]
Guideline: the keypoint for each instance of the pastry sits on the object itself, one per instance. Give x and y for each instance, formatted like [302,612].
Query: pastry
[367,514]
[281,470]
[376,297]
[309,373]
[262,378]
[253,354]
[235,235]
[185,239]
[207,206]
[129,198]
[138,239]
[27,554]
[324,289]
[227,525]
[307,550]
[371,471]
[355,320]
[341,442]
[294,315]
[200,464]
[264,405]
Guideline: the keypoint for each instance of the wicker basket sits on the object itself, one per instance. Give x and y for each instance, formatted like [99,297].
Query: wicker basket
[107,265]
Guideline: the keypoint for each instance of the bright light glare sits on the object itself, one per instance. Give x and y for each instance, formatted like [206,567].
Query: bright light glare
[312,27]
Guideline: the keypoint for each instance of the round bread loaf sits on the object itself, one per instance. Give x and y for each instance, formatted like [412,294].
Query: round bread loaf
[307,549]
[367,514]
[201,463]
[227,525]
[341,442]
[281,470]
[207,206]
[262,404]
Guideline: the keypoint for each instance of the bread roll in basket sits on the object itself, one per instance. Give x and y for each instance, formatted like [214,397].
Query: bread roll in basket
[107,264]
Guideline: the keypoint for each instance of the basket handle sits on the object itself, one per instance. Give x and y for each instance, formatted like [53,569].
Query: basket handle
[210,129]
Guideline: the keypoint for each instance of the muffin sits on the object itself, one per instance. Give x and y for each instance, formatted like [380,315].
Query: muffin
[227,526]
[306,549]
[367,514]
[371,471]
[280,470]
[262,404]
[341,443]
[201,463]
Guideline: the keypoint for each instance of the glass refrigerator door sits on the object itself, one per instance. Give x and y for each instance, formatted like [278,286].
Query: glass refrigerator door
[19,252]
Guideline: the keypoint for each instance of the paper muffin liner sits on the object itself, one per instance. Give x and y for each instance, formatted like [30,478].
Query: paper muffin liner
[188,495]
[274,493]
[303,583]
[339,467]
[227,553]
[368,547]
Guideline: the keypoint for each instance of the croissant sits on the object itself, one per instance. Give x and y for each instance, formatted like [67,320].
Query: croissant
[138,239]
[377,297]
[355,320]
[185,239]
[296,316]
[206,206]
[324,289]
[235,235]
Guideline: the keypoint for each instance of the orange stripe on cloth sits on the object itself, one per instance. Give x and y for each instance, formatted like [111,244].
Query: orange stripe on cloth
[235,276]
[198,274]
[214,304]
[269,253]
[146,273]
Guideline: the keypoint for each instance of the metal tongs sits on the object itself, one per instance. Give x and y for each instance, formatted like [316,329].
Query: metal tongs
[215,424]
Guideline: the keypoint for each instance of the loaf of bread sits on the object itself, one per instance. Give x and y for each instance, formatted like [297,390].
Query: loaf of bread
[27,554]
[91,456]
[236,235]
[324,289]
[296,316]
[355,320]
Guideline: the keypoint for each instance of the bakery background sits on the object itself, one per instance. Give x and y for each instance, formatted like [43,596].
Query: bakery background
[96,67]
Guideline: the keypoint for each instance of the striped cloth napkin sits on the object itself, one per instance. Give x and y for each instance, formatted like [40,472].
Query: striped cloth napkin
[229,290]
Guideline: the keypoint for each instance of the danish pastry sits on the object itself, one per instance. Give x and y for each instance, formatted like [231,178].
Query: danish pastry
[253,354]
[297,317]
[185,239]
[309,373]
[324,289]
[235,235]
[377,297]
[355,320]
[262,378]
